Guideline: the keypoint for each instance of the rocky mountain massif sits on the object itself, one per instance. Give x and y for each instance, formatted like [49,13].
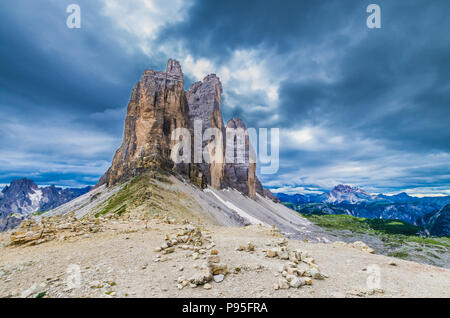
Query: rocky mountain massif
[23,197]
[427,213]
[152,228]
[158,106]
[439,223]
[144,178]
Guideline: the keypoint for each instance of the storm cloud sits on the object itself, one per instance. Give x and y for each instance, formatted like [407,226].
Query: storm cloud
[366,107]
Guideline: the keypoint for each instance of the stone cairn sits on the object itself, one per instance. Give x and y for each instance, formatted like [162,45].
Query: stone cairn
[356,245]
[31,232]
[299,270]
[191,238]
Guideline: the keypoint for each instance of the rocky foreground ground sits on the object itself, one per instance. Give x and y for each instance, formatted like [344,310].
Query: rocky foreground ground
[159,257]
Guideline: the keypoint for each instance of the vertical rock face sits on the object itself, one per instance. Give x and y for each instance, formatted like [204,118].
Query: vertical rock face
[205,107]
[157,106]
[240,173]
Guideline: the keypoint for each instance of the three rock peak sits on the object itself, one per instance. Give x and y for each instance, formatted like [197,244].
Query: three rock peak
[159,105]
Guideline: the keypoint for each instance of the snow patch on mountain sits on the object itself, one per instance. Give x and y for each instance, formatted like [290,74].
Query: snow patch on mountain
[347,194]
[23,197]
[35,198]
[234,208]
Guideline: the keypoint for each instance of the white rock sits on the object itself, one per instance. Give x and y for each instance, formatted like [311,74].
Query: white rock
[308,260]
[282,242]
[316,274]
[27,293]
[180,279]
[296,282]
[219,278]
[294,257]
[290,278]
[284,255]
[283,283]
[292,271]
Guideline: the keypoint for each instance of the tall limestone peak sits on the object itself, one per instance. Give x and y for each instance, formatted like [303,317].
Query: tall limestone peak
[205,107]
[205,102]
[240,170]
[157,106]
[174,68]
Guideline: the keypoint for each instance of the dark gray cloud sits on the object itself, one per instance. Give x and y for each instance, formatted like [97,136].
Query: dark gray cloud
[216,29]
[61,91]
[365,107]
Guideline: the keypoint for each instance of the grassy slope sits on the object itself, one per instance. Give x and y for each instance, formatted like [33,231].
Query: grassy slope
[347,222]
[398,238]
[394,229]
[152,194]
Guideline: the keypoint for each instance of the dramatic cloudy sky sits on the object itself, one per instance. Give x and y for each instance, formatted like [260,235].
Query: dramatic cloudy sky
[369,108]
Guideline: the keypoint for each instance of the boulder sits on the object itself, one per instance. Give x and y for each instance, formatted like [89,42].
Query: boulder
[219,278]
[272,253]
[296,282]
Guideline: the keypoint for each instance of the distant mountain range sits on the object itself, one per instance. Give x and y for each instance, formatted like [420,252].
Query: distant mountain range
[23,197]
[439,223]
[429,213]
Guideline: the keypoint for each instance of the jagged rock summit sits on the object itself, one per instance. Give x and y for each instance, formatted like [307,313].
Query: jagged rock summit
[159,105]
[23,197]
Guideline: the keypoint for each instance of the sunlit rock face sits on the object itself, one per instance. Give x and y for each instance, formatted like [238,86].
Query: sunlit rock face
[157,106]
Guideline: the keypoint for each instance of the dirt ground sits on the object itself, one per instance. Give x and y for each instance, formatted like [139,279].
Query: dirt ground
[120,262]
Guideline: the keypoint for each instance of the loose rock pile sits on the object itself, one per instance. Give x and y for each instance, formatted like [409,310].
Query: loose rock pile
[300,269]
[166,219]
[31,232]
[357,245]
[191,238]
[210,270]
[247,248]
